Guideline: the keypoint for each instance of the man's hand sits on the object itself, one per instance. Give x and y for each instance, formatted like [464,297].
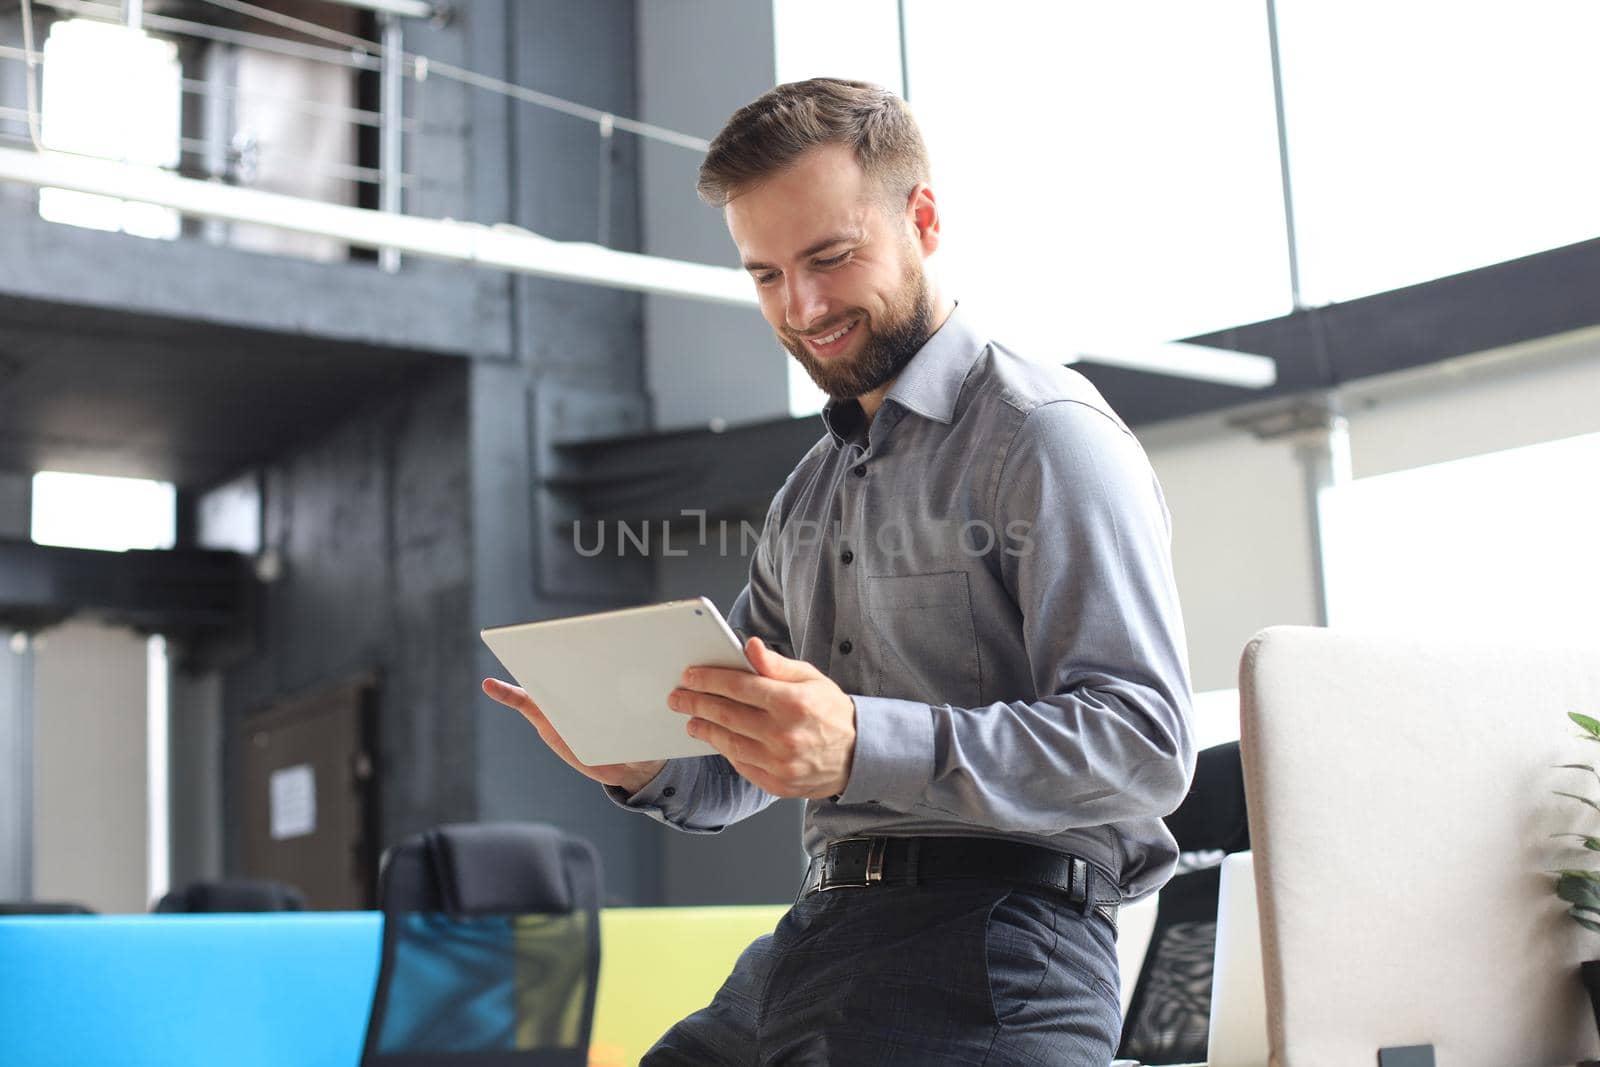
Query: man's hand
[629,776]
[787,728]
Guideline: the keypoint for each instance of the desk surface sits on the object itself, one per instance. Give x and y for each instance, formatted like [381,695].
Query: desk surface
[292,989]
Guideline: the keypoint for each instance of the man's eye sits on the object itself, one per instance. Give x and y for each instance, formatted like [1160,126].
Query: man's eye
[767,278]
[833,261]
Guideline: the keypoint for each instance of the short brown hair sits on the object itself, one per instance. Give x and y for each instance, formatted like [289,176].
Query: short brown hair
[768,134]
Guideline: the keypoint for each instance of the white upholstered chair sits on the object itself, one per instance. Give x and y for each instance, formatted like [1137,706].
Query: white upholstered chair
[1401,813]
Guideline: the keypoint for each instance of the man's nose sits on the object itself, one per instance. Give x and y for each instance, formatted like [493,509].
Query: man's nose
[805,306]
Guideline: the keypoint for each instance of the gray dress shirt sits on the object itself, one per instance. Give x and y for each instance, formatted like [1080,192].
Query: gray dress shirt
[985,568]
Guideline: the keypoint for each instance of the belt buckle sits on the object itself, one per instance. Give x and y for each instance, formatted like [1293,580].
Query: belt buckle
[873,875]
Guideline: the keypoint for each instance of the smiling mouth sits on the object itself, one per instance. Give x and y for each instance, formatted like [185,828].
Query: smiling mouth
[832,342]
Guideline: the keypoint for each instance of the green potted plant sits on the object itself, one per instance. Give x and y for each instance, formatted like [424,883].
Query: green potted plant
[1580,888]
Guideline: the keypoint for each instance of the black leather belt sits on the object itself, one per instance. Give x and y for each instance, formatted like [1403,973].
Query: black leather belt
[863,862]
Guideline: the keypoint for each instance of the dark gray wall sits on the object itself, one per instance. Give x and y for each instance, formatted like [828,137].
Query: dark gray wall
[369,527]
[700,60]
[565,337]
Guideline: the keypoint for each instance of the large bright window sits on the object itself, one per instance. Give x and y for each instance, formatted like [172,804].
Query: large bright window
[1500,545]
[1429,137]
[1108,172]
[90,511]
[113,92]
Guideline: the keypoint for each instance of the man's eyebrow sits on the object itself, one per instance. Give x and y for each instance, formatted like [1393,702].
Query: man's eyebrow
[825,243]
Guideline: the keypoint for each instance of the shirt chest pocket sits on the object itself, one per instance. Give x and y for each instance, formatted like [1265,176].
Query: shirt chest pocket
[922,642]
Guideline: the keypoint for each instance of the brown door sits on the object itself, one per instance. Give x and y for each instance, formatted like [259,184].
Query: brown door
[308,805]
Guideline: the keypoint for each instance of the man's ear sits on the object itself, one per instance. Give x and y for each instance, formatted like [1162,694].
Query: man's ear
[922,211]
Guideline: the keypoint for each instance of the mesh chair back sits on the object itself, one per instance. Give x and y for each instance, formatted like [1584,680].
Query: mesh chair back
[1169,1015]
[491,949]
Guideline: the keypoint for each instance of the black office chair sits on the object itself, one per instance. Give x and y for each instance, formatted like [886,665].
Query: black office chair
[232,895]
[44,907]
[491,949]
[1169,1016]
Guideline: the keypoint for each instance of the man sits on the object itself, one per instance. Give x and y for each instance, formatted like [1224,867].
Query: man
[968,648]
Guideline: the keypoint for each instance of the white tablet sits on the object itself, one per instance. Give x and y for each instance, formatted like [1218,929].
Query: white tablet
[602,680]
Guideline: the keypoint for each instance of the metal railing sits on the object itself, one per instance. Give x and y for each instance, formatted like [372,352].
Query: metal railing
[236,159]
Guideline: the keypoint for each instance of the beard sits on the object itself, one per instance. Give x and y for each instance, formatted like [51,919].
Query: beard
[888,346]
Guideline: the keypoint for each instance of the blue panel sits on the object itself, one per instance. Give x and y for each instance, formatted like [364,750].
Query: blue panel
[272,990]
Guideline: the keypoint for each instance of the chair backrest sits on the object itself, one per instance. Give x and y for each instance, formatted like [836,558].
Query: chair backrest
[1401,813]
[44,907]
[491,949]
[233,896]
[1168,1016]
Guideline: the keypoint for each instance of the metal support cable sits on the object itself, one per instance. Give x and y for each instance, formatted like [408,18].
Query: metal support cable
[905,56]
[604,235]
[348,172]
[361,54]
[391,93]
[1283,157]
[353,115]
[365,59]
[31,84]
[289,22]
[195,87]
[422,66]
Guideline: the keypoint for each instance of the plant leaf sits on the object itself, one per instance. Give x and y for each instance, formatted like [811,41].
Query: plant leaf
[1591,726]
[1581,891]
[1590,843]
[1574,796]
[1587,924]
[1578,767]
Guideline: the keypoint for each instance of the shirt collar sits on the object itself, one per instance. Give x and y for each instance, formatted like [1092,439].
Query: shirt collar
[929,385]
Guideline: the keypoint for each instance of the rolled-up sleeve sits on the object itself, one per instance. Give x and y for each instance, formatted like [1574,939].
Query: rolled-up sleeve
[1108,737]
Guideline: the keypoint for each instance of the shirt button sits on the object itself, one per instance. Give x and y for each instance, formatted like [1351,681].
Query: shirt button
[845,647]
[847,557]
[670,791]
[861,471]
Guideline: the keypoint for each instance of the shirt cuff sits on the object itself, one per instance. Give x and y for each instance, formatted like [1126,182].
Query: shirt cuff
[664,797]
[893,761]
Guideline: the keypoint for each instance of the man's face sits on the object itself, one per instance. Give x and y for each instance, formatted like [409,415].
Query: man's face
[839,273]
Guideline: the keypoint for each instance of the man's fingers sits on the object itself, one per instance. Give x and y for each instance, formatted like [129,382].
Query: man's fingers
[778,667]
[741,687]
[513,697]
[736,717]
[737,747]
[518,700]
[761,779]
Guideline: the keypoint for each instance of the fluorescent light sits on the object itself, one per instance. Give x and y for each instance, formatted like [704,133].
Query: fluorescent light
[1183,360]
[504,247]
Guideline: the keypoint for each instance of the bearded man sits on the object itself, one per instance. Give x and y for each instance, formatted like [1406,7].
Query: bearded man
[968,649]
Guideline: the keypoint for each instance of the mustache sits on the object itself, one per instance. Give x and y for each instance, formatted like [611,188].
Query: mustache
[821,331]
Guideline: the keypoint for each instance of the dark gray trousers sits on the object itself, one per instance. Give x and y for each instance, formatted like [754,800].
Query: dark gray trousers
[916,976]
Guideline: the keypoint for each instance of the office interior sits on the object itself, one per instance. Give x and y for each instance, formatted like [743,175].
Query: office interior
[264,478]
